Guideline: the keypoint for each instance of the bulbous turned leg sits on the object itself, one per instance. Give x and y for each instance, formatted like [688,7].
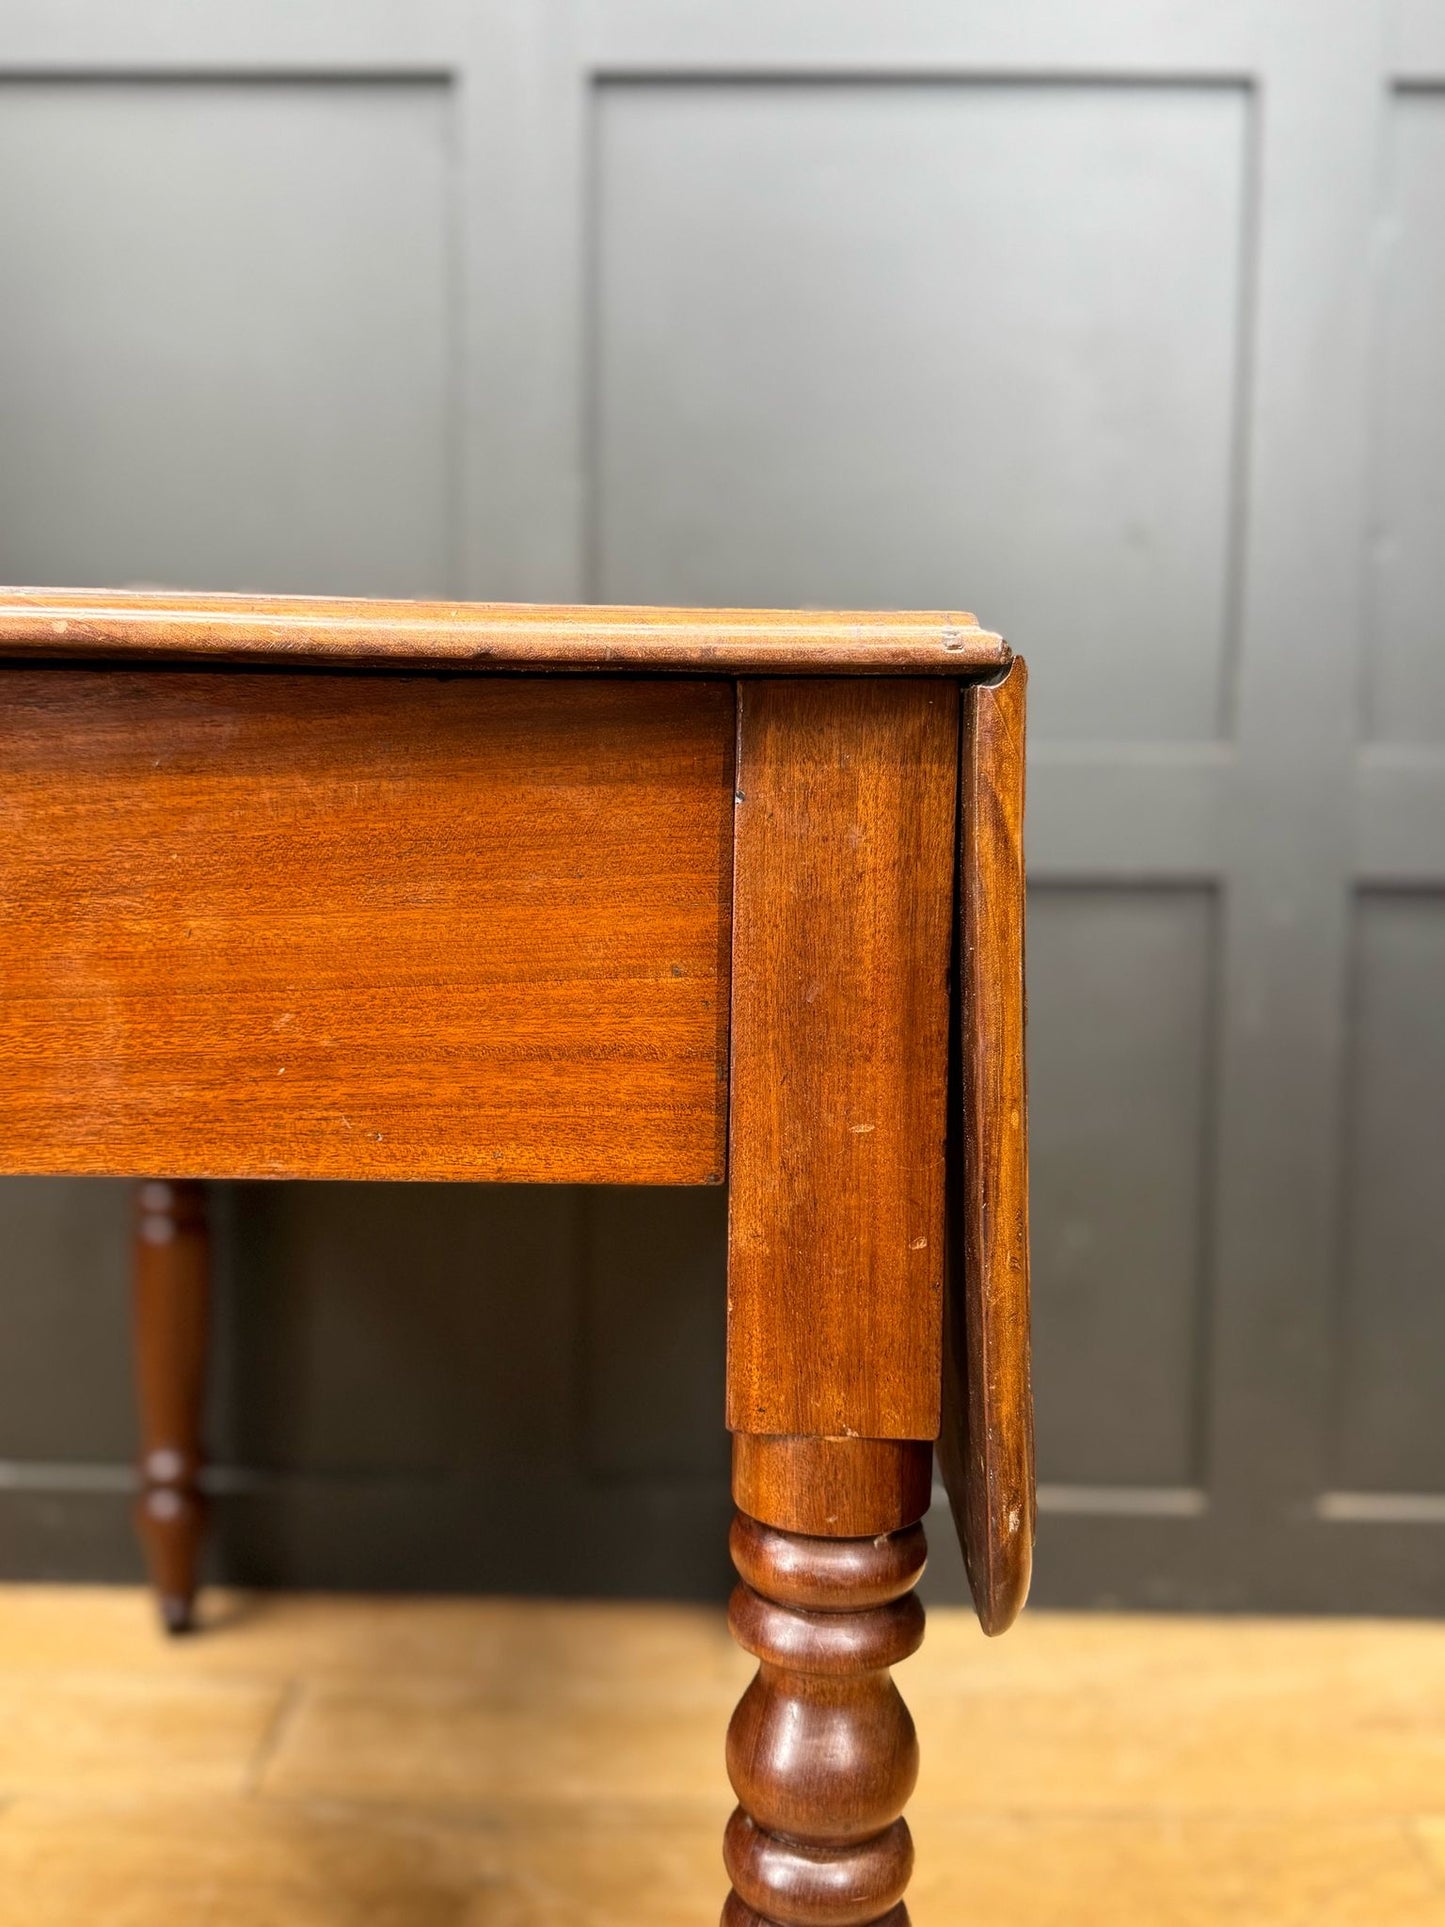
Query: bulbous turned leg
[172,1289]
[822,1752]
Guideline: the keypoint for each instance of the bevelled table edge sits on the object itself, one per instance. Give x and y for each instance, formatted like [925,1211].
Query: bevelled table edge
[170,627]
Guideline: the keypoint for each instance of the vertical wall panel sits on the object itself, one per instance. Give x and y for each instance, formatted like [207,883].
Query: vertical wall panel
[1405,685]
[893,305]
[900,344]
[1120,985]
[224,335]
[64,1366]
[226,359]
[407,1331]
[1391,1341]
[651,1340]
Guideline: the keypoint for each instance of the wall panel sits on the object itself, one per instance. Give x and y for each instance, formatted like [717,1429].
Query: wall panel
[227,338]
[1405,682]
[1120,985]
[1391,1341]
[65,1392]
[651,1340]
[1120,324]
[889,344]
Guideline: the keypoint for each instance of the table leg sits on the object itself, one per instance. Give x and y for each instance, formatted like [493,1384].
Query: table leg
[171,1255]
[821,1751]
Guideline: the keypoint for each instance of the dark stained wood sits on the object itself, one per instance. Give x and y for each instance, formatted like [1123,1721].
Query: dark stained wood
[492,635]
[171,1271]
[442,926]
[844,849]
[805,1886]
[351,926]
[822,1753]
[823,1574]
[824,1486]
[987,1445]
[737,1913]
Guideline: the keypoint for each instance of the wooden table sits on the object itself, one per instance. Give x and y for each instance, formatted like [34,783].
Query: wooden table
[322,889]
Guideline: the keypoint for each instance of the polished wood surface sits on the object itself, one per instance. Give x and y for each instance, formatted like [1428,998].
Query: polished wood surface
[987,1445]
[822,1752]
[360,926]
[171,1271]
[160,625]
[290,924]
[844,856]
[348,1762]
[831,1485]
[737,1912]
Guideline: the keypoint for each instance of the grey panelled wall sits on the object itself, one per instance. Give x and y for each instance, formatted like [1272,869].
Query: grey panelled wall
[1125,323]
[227,334]
[931,333]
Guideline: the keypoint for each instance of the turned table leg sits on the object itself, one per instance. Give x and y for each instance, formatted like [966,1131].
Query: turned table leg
[844,854]
[171,1257]
[821,1751]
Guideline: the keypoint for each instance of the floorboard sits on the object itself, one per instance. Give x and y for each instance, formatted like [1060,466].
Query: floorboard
[454,1763]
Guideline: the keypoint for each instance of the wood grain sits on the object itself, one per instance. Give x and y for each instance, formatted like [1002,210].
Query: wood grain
[822,1752]
[987,1444]
[158,625]
[557,1764]
[844,853]
[171,1263]
[351,926]
[822,1486]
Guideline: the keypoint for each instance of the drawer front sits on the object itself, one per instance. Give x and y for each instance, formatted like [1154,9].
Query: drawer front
[339,926]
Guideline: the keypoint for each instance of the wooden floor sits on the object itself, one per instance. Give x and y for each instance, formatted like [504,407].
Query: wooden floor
[348,1763]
